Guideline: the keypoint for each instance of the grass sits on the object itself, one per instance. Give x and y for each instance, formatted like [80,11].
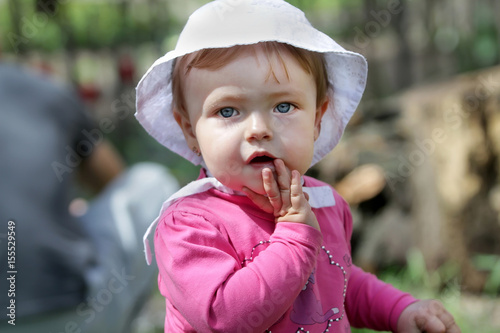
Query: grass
[473,313]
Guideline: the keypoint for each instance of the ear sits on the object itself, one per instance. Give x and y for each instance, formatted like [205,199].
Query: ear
[182,119]
[320,111]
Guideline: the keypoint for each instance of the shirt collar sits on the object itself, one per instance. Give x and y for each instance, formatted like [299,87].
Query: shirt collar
[319,197]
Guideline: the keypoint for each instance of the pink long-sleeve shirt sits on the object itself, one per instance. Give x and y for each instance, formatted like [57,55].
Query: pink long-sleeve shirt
[226,266]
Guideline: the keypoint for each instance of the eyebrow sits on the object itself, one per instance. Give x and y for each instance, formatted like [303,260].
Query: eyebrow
[287,92]
[234,96]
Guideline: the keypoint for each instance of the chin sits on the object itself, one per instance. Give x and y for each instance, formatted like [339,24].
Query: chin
[236,183]
[257,188]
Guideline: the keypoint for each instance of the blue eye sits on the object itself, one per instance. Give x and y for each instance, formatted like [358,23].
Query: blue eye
[284,107]
[227,112]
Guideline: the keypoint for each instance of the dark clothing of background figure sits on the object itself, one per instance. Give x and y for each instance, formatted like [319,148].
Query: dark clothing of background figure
[40,123]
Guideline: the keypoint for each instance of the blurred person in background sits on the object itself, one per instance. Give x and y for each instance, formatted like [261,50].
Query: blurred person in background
[72,274]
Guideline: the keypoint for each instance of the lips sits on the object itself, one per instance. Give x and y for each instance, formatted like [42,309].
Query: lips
[260,158]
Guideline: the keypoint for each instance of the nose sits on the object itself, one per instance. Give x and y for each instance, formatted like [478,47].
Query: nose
[259,127]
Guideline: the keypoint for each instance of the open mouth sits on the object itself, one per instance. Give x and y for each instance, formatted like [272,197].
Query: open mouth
[261,159]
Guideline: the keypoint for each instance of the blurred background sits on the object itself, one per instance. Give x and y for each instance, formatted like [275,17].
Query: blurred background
[419,163]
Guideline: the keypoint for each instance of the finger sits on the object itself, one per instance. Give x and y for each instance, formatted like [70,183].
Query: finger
[259,200]
[296,193]
[272,191]
[449,322]
[431,325]
[283,177]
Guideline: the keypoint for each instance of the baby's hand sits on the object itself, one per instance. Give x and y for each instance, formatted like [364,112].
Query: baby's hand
[428,316]
[285,198]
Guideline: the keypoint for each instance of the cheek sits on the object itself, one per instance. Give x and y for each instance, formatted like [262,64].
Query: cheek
[209,137]
[221,155]
[300,148]
[228,171]
[217,147]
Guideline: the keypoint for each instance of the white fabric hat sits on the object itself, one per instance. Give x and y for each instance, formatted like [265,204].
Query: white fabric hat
[225,23]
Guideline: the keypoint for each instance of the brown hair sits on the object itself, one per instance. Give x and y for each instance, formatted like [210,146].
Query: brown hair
[312,62]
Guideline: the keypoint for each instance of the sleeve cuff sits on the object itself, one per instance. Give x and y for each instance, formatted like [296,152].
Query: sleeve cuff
[300,232]
[401,304]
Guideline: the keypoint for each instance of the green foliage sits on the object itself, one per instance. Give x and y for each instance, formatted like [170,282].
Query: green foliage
[28,30]
[104,28]
[443,284]
[109,24]
[79,24]
[5,20]
[491,264]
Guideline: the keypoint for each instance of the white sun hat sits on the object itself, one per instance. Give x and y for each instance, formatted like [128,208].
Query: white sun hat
[226,23]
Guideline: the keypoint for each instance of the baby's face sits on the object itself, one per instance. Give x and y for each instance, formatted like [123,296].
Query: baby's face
[244,115]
